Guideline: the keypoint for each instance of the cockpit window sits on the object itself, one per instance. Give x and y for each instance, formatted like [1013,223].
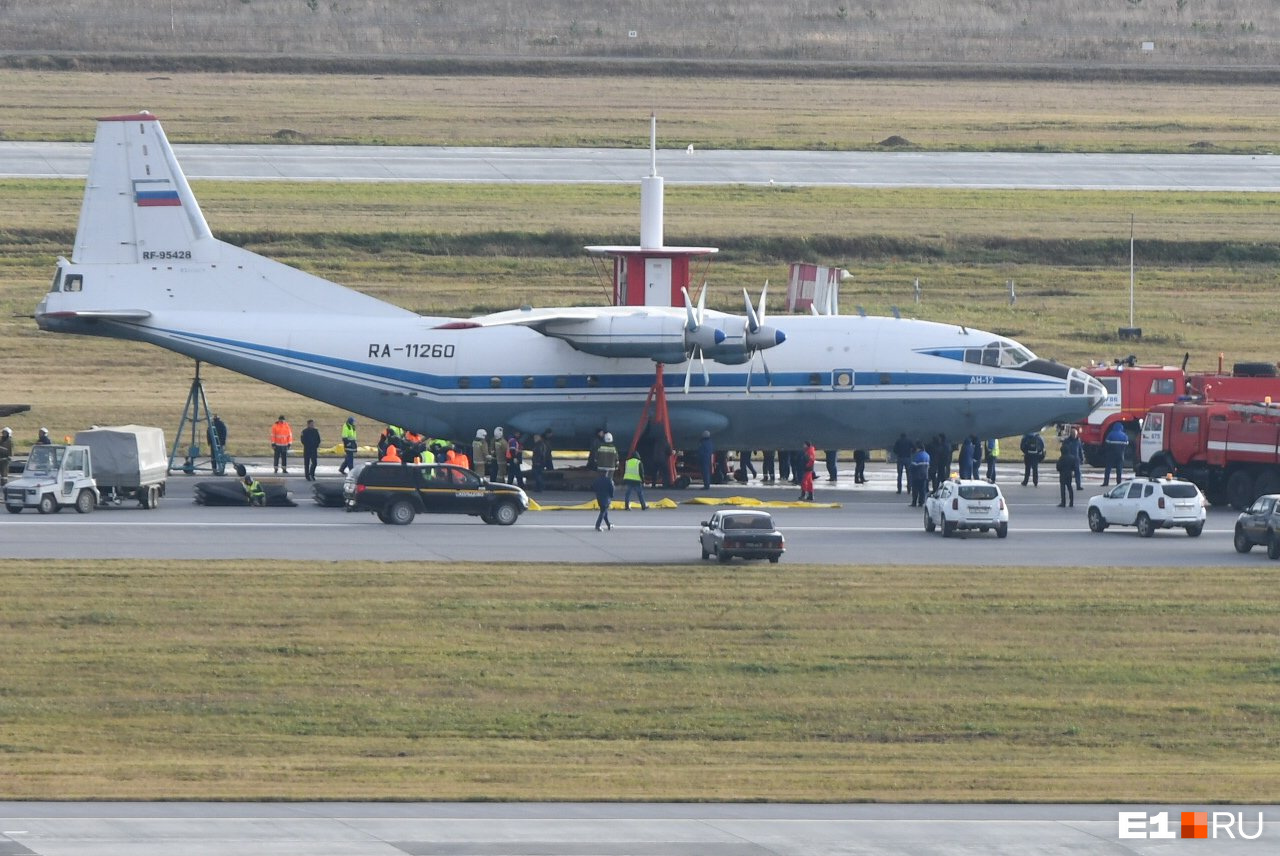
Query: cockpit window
[1000,354]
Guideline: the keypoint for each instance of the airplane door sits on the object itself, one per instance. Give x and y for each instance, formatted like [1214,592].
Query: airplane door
[657,282]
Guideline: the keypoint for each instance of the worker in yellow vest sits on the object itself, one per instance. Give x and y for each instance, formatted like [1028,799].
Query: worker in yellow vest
[633,478]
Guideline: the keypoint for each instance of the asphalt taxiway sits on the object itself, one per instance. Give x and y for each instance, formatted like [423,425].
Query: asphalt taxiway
[874,517]
[968,170]
[601,829]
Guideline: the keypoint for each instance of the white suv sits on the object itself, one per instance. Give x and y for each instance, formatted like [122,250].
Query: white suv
[967,504]
[1150,504]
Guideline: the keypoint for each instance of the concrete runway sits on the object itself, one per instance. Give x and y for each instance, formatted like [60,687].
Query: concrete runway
[601,829]
[873,516]
[982,170]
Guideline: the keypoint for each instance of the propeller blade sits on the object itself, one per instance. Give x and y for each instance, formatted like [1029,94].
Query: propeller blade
[753,320]
[687,372]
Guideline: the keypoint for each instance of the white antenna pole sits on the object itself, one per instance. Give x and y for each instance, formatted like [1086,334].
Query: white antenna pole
[651,195]
[1130,270]
[653,144]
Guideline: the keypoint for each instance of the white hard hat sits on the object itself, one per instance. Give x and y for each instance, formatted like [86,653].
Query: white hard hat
[497,432]
[480,435]
[6,430]
[608,438]
[44,430]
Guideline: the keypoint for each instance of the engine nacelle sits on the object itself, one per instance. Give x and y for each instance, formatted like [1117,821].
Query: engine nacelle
[661,338]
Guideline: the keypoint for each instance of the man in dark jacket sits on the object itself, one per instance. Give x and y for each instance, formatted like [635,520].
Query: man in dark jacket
[902,454]
[602,487]
[310,450]
[1066,475]
[1032,448]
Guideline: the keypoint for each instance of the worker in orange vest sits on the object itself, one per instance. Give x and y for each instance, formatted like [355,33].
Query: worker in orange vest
[281,440]
[392,455]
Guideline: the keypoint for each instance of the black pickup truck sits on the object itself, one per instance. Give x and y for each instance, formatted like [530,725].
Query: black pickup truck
[397,492]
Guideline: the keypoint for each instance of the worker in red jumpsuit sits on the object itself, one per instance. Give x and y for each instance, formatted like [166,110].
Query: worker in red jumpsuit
[806,480]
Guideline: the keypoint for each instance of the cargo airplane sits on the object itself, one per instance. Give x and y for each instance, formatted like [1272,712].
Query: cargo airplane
[146,267]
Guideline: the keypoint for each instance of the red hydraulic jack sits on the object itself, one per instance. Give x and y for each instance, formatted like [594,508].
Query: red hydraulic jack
[657,399]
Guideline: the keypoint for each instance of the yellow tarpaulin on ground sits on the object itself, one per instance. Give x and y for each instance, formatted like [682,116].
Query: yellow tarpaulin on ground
[746,501]
[590,505]
[752,502]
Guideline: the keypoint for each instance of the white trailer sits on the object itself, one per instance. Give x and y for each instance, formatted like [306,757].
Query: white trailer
[129,462]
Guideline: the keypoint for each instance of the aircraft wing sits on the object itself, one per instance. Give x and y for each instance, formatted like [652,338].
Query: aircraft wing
[103,314]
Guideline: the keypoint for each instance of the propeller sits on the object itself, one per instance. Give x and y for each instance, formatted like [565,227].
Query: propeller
[756,336]
[698,336]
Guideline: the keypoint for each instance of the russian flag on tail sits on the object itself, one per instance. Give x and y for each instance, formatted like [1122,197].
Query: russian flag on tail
[155,192]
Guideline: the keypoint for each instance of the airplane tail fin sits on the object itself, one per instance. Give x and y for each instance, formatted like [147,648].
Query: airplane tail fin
[137,202]
[139,212]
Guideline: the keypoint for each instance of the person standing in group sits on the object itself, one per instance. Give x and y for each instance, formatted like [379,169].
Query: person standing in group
[706,458]
[603,489]
[1116,441]
[859,466]
[349,445]
[744,464]
[310,437]
[810,458]
[633,478]
[993,455]
[6,453]
[480,454]
[43,438]
[1078,450]
[606,454]
[548,440]
[538,461]
[975,460]
[500,450]
[919,475]
[768,472]
[1032,448]
[515,459]
[1066,475]
[902,455]
[596,440]
[966,458]
[833,471]
[281,440]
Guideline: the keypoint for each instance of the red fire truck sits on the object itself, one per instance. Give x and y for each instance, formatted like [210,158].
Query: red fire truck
[1132,390]
[1232,451]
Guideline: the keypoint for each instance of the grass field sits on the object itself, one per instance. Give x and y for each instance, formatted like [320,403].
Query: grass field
[708,111]
[312,680]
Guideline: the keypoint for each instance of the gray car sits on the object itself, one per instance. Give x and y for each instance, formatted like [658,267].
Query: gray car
[745,534]
[1259,524]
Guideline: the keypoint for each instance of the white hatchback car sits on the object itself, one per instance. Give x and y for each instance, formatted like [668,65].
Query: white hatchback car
[1150,504]
[966,504]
